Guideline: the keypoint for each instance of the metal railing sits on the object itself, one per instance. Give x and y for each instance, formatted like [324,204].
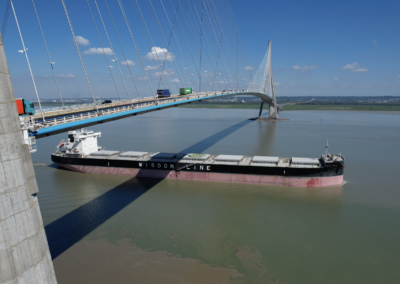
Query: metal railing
[86,111]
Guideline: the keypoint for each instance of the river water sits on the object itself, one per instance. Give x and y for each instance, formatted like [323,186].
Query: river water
[116,229]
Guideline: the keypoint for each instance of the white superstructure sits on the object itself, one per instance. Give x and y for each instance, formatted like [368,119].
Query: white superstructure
[80,142]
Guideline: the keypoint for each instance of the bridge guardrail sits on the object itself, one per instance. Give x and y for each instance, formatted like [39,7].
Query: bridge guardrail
[119,106]
[88,111]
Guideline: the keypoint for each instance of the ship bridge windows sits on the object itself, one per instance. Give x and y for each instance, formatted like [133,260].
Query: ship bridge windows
[71,138]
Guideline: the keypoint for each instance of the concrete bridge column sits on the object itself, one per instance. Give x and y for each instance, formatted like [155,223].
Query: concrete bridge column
[24,252]
[272,111]
[261,108]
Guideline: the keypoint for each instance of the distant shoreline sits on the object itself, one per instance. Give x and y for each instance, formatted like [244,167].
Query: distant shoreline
[348,107]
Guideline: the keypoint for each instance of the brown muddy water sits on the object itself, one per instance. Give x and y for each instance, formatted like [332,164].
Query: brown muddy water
[116,229]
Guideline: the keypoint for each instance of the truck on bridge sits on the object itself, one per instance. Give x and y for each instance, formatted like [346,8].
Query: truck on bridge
[163,93]
[25,107]
[185,91]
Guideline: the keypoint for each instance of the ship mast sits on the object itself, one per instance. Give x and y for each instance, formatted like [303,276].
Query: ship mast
[326,149]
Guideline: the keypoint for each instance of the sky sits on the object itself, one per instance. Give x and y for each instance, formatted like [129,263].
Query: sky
[319,48]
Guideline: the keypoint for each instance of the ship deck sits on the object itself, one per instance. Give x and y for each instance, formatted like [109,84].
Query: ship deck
[209,159]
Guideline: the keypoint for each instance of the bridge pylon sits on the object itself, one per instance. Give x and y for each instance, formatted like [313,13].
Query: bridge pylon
[263,83]
[24,252]
[269,82]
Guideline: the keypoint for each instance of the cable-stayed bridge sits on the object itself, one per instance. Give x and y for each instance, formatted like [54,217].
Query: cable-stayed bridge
[60,119]
[184,37]
[190,43]
[57,121]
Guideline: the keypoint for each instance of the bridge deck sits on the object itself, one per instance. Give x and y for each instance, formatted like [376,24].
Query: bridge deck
[61,120]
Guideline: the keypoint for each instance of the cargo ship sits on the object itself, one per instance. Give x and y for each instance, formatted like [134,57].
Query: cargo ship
[81,153]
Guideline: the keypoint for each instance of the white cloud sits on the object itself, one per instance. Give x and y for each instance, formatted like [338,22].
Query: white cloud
[82,41]
[351,66]
[142,78]
[128,63]
[368,86]
[386,85]
[66,76]
[362,69]
[336,79]
[175,80]
[98,50]
[163,54]
[276,84]
[249,68]
[168,72]
[311,67]
[149,67]
[375,42]
[355,67]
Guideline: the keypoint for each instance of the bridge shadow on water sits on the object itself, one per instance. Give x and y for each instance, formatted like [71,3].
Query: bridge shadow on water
[74,226]
[214,139]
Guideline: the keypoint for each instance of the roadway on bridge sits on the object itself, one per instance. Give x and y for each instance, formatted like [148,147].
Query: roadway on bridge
[64,120]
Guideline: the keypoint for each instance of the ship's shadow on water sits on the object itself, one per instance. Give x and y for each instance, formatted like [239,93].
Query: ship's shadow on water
[74,226]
